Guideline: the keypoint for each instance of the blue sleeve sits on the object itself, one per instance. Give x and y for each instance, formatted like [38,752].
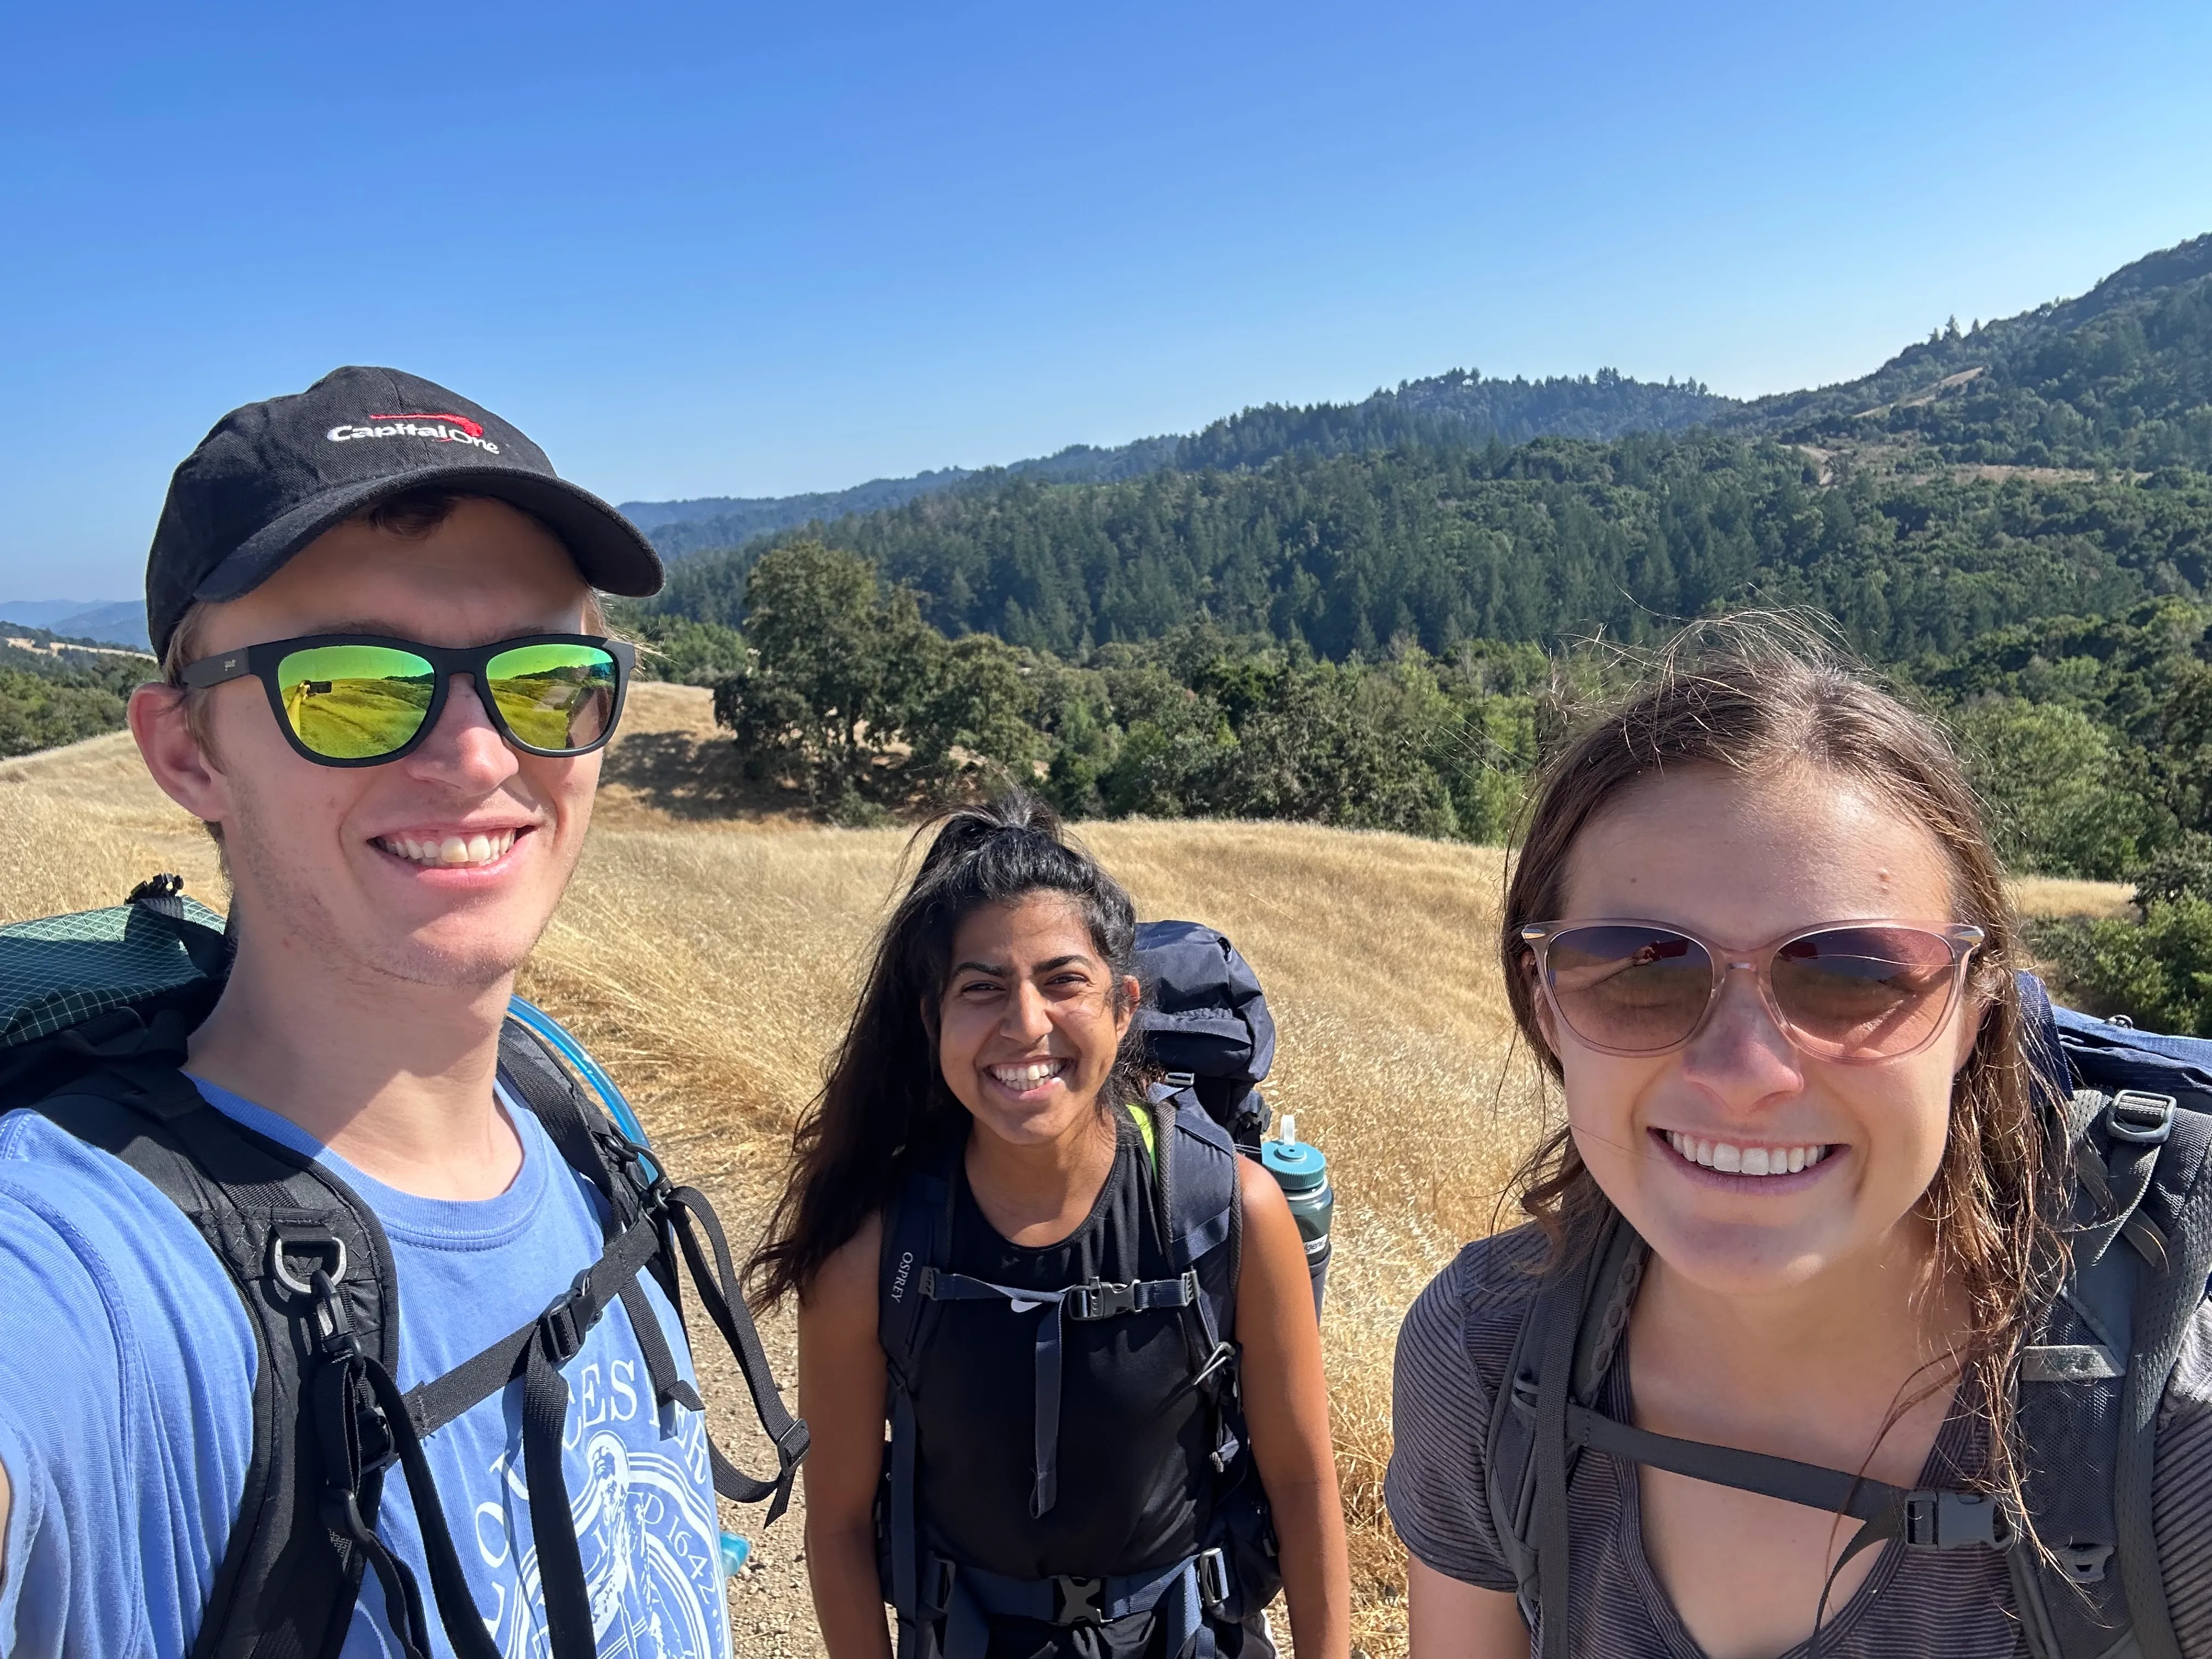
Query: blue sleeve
[126,1406]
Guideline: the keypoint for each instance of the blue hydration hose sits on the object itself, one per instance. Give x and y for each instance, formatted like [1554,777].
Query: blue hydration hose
[735,1550]
[573,1051]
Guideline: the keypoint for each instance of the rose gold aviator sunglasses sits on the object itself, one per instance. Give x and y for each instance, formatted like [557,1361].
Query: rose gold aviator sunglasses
[1858,991]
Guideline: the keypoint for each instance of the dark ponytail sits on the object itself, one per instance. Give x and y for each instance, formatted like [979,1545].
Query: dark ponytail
[885,1104]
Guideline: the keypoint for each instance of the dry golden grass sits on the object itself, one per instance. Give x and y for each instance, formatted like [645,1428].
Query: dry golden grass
[2057,896]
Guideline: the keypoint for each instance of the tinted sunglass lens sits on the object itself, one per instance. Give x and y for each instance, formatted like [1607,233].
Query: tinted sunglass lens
[555,696]
[1865,993]
[355,701]
[1636,990]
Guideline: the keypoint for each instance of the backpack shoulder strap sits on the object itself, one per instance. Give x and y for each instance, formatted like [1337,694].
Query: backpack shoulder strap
[2092,1381]
[305,1253]
[917,1245]
[1570,1330]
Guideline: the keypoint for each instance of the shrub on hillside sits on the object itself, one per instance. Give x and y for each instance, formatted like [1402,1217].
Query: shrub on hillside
[2157,970]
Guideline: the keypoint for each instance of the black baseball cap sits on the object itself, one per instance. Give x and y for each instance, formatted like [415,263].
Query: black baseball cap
[272,477]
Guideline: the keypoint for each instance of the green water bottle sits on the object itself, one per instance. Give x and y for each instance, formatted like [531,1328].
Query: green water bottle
[1302,1174]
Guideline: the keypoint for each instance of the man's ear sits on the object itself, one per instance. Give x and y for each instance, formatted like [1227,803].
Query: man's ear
[172,751]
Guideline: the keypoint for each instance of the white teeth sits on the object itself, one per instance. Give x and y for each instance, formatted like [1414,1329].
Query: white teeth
[451,850]
[1745,1160]
[1028,1076]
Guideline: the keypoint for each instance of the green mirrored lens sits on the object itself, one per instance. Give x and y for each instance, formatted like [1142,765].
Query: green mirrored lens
[355,701]
[554,696]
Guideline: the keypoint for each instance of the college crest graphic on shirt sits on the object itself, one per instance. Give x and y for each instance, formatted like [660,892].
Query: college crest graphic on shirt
[646,1526]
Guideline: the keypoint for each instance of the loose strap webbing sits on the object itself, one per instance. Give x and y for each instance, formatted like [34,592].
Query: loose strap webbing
[689,1215]
[1098,1299]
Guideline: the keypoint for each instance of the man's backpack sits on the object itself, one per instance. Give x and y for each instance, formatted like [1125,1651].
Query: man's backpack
[1206,1025]
[2136,1111]
[94,1012]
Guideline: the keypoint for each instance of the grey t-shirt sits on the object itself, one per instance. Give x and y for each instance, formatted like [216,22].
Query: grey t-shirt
[1452,1354]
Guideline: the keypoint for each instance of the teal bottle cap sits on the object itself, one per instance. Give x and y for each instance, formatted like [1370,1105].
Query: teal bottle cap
[1294,1163]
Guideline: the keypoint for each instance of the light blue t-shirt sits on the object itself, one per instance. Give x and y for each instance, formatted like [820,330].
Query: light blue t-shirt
[126,1419]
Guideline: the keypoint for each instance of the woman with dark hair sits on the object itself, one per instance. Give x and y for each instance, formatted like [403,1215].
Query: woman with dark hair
[1806,1195]
[1087,1322]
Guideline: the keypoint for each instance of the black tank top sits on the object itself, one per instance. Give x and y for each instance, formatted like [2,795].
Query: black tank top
[1133,1433]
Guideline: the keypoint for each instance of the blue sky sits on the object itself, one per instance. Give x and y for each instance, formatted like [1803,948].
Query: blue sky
[733,250]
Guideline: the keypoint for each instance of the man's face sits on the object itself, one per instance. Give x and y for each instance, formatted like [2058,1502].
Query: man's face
[318,855]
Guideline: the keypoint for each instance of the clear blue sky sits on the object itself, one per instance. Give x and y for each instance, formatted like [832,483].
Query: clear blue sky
[724,249]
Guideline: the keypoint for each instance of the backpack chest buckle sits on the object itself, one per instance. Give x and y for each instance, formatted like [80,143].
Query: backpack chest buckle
[1100,1299]
[1077,1600]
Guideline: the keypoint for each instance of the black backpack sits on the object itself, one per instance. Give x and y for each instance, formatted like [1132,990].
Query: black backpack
[94,1012]
[1207,1024]
[2136,1110]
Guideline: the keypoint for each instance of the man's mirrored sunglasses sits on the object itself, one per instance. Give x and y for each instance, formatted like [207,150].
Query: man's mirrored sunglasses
[361,700]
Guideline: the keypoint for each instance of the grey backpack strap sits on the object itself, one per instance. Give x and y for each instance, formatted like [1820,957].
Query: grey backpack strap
[1568,1337]
[2179,1206]
[2091,1384]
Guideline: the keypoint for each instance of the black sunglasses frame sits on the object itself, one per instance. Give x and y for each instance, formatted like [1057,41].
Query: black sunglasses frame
[262,662]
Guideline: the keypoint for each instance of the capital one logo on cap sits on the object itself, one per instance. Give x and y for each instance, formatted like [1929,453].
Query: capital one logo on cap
[440,428]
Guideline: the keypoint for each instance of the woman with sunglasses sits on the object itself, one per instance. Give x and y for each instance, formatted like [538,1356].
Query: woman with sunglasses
[1757,935]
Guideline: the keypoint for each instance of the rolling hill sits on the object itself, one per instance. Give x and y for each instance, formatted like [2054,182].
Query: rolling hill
[2121,376]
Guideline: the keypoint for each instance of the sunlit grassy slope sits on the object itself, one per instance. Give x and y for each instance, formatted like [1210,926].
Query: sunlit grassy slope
[711,967]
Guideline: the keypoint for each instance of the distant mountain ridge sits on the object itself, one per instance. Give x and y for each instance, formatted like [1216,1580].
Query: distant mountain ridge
[1459,405]
[2121,375]
[114,622]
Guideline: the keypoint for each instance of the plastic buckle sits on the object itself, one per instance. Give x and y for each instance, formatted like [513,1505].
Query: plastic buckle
[2084,1563]
[936,1593]
[2138,1116]
[1076,1600]
[1100,1299]
[1952,1520]
[559,1330]
[1213,1585]
[791,1445]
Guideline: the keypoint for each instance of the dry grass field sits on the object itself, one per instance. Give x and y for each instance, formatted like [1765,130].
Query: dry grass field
[710,965]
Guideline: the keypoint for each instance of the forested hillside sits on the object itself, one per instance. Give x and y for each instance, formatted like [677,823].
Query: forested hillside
[1346,554]
[1460,407]
[2120,377]
[54,690]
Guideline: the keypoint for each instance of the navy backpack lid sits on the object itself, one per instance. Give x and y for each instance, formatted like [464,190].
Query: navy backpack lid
[1203,1010]
[2076,1050]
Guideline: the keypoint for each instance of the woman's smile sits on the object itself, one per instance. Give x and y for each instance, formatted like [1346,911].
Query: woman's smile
[1766,1169]
[1029,1080]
